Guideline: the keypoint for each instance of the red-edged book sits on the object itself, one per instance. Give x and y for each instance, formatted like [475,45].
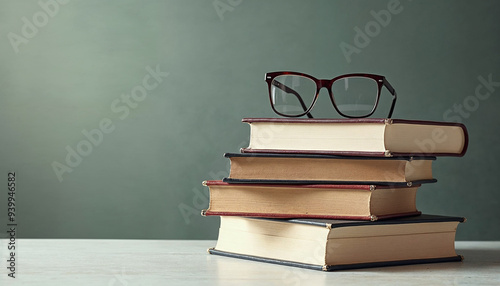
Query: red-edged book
[359,137]
[358,202]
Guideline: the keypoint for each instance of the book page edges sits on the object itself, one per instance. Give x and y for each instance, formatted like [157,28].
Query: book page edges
[332,137]
[319,152]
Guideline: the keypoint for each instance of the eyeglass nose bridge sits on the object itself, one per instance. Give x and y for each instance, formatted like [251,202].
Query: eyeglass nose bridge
[325,83]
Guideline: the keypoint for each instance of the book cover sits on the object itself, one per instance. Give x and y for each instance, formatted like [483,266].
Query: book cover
[363,202]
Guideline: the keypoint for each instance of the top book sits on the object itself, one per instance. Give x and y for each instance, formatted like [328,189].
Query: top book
[359,137]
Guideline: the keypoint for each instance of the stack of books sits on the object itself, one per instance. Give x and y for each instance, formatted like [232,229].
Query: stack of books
[332,194]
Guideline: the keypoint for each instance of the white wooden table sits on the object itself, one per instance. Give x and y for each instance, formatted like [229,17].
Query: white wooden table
[177,262]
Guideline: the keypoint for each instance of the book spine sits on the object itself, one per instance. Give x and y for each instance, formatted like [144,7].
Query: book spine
[214,251]
[299,216]
[263,259]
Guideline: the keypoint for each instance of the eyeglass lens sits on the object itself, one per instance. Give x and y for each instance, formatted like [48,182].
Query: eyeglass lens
[355,96]
[292,94]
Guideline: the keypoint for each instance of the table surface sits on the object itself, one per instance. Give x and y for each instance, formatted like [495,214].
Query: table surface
[186,262]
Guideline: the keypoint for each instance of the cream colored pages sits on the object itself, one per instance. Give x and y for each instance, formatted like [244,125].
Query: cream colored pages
[354,137]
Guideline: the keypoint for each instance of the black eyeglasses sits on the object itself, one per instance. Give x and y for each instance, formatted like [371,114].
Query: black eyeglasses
[294,94]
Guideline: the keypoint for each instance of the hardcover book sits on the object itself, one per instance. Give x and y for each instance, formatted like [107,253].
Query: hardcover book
[358,137]
[362,202]
[339,244]
[328,169]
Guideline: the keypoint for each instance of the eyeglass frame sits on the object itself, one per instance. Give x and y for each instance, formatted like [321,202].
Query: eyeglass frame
[327,83]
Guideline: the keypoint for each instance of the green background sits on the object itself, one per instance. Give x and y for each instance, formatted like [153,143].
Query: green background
[144,179]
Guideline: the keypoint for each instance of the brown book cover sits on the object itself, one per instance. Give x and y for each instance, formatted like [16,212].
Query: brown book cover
[359,202]
[307,169]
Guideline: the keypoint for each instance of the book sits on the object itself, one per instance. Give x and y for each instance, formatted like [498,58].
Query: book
[339,244]
[363,202]
[328,169]
[358,137]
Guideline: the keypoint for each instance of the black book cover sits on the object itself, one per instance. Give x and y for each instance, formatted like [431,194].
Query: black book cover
[331,224]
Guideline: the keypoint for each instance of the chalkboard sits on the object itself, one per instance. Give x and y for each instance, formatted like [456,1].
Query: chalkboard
[112,113]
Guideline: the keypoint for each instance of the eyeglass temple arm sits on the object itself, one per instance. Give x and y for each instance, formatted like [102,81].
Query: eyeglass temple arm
[289,90]
[394,95]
